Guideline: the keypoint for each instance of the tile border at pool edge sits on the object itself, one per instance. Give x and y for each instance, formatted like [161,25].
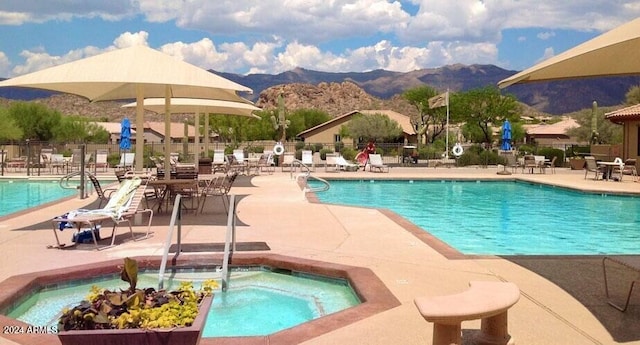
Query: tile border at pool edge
[374,294]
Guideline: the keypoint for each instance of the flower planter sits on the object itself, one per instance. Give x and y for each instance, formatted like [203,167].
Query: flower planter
[158,336]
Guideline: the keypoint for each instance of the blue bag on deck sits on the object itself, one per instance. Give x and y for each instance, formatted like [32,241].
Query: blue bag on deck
[84,236]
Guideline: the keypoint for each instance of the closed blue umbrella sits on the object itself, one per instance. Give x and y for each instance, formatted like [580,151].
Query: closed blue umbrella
[506,136]
[125,135]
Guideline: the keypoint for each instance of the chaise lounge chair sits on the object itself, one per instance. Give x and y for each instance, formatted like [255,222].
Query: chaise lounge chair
[307,159]
[126,160]
[331,162]
[375,162]
[122,206]
[342,164]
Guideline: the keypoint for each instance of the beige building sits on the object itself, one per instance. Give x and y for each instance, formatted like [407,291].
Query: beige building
[154,132]
[329,132]
[629,118]
[552,135]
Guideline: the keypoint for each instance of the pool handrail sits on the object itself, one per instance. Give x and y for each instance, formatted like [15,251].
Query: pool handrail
[64,182]
[176,217]
[229,242]
[229,246]
[306,175]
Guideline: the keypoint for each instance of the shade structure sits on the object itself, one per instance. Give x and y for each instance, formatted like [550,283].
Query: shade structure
[197,105]
[614,53]
[134,72]
[125,134]
[506,136]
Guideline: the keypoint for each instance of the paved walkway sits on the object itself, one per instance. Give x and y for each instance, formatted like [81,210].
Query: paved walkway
[274,210]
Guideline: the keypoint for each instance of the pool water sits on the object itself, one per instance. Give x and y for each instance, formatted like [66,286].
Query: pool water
[257,302]
[504,218]
[21,195]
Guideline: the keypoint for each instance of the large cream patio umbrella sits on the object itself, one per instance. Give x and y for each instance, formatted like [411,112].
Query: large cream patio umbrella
[134,72]
[197,106]
[614,53]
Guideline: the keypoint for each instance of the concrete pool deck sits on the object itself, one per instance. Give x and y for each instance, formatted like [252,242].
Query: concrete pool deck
[273,209]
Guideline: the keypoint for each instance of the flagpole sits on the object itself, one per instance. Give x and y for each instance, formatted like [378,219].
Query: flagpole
[447,128]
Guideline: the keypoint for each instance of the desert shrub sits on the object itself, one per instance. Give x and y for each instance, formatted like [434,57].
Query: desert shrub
[323,153]
[338,146]
[550,152]
[316,147]
[527,150]
[349,153]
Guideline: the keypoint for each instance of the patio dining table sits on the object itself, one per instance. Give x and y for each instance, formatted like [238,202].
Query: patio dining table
[608,169]
[165,189]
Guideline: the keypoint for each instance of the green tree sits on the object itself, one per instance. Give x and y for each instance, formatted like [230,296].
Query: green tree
[36,120]
[303,119]
[80,130]
[429,122]
[9,130]
[608,132]
[378,127]
[632,97]
[481,109]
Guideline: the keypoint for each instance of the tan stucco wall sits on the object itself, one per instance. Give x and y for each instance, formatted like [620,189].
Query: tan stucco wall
[630,144]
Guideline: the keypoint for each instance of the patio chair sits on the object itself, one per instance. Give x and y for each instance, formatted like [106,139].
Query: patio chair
[103,194]
[342,164]
[287,161]
[307,159]
[529,163]
[265,163]
[592,166]
[219,163]
[76,159]
[122,206]
[375,162]
[17,163]
[174,157]
[627,168]
[58,162]
[218,186]
[45,158]
[512,162]
[101,160]
[552,164]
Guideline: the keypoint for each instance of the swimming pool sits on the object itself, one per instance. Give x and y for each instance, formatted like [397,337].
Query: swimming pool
[247,308]
[19,195]
[503,217]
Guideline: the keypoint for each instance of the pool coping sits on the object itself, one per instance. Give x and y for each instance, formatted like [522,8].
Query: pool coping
[373,293]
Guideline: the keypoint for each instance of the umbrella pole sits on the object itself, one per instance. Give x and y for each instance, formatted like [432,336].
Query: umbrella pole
[167,132]
[139,157]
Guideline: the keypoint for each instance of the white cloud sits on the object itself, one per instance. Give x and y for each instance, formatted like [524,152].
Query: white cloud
[34,11]
[548,53]
[38,59]
[129,39]
[546,35]
[272,36]
[5,64]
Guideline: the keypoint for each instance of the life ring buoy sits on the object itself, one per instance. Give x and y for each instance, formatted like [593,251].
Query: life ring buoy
[457,150]
[278,149]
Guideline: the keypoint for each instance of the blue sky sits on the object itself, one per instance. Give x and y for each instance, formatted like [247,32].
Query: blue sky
[273,36]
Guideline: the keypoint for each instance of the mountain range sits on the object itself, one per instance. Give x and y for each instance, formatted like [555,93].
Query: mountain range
[554,98]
